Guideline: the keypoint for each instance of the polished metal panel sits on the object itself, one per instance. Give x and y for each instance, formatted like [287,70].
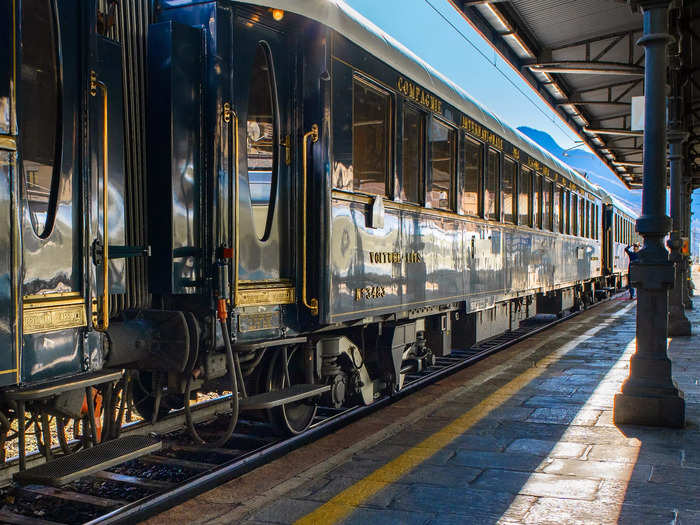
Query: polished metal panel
[424,257]
[7,306]
[175,157]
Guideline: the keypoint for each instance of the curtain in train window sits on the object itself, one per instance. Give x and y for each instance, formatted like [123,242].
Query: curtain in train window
[547,204]
[441,140]
[493,169]
[40,112]
[412,156]
[472,158]
[371,108]
[525,197]
[537,202]
[509,173]
[261,136]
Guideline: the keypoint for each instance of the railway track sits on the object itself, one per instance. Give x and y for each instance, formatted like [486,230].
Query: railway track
[177,471]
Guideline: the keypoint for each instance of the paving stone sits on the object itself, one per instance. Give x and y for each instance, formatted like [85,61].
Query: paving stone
[483,459]
[467,441]
[385,453]
[386,517]
[684,475]
[576,512]
[473,505]
[666,495]
[642,454]
[565,415]
[598,469]
[540,447]
[284,511]
[537,484]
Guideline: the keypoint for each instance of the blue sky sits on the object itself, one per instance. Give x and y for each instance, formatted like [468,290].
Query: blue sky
[436,32]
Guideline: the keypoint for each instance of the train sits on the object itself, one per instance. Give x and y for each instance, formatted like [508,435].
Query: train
[271,199]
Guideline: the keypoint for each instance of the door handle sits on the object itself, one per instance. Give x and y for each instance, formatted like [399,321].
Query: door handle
[311,304]
[94,84]
[231,115]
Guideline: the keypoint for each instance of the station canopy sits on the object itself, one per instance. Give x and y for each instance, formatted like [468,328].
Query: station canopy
[581,56]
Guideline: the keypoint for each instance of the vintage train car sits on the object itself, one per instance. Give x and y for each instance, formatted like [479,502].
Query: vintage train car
[273,198]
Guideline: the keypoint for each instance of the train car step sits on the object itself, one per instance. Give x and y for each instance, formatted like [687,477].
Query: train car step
[87,461]
[282,397]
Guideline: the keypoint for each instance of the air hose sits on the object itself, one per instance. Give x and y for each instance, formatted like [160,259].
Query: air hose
[232,373]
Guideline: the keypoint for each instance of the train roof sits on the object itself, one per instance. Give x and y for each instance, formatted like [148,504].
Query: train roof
[342,18]
[609,198]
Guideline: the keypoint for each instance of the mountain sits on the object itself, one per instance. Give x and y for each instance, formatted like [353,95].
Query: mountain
[586,162]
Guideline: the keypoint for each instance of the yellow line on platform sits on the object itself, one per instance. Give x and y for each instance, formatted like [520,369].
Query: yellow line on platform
[344,503]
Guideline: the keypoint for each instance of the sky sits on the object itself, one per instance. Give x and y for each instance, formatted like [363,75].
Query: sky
[436,32]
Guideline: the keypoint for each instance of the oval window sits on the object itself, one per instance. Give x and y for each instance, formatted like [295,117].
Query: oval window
[39,112]
[261,137]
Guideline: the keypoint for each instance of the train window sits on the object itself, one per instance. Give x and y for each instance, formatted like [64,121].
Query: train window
[567,207]
[493,168]
[525,197]
[261,136]
[441,139]
[547,204]
[412,156]
[582,217]
[556,210]
[574,214]
[371,108]
[472,158]
[561,196]
[40,112]
[509,172]
[537,202]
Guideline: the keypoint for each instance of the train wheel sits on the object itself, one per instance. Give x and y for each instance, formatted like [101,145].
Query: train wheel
[292,418]
[144,398]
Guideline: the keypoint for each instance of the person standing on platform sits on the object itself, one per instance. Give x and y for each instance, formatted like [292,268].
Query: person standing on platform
[633,254]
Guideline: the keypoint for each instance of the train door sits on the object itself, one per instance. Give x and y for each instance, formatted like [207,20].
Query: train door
[8,198]
[263,223]
[60,247]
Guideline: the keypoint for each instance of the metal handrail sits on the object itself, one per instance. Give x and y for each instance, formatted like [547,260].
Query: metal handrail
[311,304]
[94,84]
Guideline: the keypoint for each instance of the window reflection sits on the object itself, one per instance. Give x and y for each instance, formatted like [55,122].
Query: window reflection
[38,86]
[525,197]
[370,138]
[260,140]
[472,158]
[412,156]
[442,164]
[509,171]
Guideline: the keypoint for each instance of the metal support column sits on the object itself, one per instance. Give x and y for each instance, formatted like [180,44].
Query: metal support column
[649,396]
[687,232]
[678,323]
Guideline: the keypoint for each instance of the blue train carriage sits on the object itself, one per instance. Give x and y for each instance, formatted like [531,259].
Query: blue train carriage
[618,233]
[364,214]
[63,235]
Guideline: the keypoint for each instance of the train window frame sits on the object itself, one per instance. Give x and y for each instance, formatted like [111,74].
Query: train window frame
[275,139]
[390,117]
[567,205]
[537,200]
[422,144]
[582,216]
[429,172]
[524,172]
[513,191]
[547,205]
[496,215]
[44,230]
[467,139]
[574,213]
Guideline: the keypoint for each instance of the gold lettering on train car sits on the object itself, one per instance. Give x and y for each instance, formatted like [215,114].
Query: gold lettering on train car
[258,321]
[516,153]
[394,257]
[413,257]
[419,95]
[369,292]
[482,133]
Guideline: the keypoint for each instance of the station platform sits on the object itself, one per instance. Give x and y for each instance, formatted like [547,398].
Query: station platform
[525,436]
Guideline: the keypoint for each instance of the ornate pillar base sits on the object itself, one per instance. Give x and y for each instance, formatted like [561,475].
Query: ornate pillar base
[657,411]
